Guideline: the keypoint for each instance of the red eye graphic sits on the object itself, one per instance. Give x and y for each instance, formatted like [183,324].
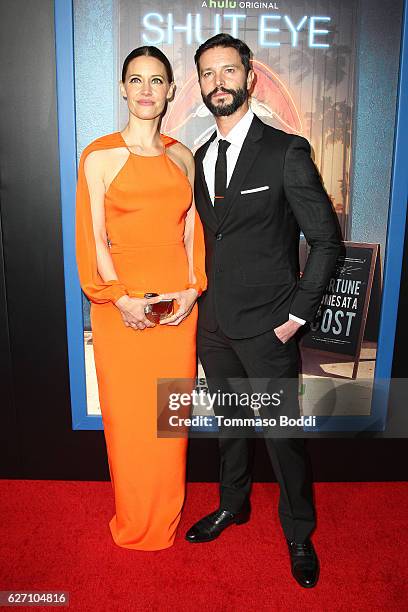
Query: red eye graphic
[189,119]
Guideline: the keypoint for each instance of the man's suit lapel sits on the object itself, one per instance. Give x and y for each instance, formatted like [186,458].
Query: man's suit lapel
[245,161]
[208,209]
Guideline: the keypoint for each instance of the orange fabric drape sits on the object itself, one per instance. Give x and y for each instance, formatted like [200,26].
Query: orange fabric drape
[94,287]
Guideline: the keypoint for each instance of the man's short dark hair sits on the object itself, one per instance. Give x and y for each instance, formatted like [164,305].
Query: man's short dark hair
[225,40]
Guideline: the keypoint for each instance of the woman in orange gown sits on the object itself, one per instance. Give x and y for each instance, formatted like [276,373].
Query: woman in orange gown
[137,231]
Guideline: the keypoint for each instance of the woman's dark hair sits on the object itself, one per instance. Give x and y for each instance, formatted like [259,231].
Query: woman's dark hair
[225,40]
[148,51]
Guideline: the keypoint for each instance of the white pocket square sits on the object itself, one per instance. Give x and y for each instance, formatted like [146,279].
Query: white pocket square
[254,190]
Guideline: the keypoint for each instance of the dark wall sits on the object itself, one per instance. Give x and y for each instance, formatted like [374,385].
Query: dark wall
[36,439]
[400,364]
[33,262]
[9,455]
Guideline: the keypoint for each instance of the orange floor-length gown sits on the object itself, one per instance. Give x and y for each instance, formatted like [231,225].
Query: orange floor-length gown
[145,212]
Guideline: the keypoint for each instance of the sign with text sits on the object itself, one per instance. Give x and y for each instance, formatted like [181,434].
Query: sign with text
[341,318]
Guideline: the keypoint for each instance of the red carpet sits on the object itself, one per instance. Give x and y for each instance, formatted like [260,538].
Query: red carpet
[54,535]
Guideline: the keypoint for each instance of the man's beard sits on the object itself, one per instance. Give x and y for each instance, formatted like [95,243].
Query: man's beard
[239,96]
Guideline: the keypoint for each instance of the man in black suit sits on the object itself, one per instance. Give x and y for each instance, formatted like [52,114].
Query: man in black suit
[255,189]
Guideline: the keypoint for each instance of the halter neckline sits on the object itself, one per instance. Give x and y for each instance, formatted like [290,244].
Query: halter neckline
[166,141]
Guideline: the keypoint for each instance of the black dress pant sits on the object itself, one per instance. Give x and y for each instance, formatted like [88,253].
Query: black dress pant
[227,363]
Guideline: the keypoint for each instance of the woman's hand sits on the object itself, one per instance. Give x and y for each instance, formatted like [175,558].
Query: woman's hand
[185,300]
[132,311]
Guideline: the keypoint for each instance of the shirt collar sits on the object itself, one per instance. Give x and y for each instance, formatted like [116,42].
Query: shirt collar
[237,135]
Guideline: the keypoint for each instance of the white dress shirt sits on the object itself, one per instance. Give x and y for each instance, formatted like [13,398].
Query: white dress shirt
[236,137]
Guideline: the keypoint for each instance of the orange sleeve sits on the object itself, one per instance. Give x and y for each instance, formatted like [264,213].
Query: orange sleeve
[200,279]
[95,288]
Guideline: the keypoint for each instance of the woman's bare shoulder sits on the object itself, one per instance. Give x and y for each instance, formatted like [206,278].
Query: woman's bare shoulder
[103,146]
[183,153]
[101,159]
[181,149]
[99,155]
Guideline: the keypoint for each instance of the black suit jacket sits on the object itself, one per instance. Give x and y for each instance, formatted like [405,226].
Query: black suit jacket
[252,252]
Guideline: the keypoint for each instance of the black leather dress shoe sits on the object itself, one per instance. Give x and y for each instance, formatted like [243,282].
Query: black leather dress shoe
[212,525]
[305,564]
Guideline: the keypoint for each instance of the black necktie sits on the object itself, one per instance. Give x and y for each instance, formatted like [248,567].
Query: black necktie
[220,177]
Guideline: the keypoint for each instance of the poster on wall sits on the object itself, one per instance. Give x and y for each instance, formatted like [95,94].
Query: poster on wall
[304,65]
[305,56]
